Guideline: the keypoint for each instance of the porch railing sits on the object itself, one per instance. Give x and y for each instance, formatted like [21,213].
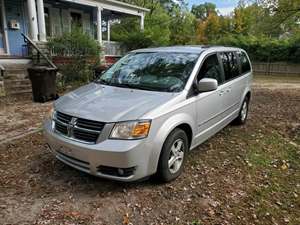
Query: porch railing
[113,48]
[39,53]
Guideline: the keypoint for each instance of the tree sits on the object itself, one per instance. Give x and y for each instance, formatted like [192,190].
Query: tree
[286,14]
[182,28]
[156,31]
[202,11]
[213,27]
[209,30]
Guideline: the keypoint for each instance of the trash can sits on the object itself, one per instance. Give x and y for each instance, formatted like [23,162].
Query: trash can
[43,80]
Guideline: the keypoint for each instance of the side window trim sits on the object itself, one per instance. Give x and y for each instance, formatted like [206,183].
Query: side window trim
[238,62]
[222,67]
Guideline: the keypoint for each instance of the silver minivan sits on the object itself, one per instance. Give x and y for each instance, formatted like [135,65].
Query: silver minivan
[143,115]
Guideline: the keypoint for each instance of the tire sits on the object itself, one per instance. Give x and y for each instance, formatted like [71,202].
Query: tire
[243,114]
[43,99]
[56,96]
[171,146]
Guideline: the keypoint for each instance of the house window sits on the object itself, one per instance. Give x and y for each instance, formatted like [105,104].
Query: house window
[76,19]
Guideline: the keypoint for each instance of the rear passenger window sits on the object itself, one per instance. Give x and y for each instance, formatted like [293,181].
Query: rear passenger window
[211,69]
[245,64]
[230,65]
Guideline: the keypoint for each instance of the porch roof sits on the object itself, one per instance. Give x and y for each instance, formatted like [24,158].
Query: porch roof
[113,5]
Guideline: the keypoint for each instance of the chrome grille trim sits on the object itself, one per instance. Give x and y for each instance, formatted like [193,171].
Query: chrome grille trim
[76,128]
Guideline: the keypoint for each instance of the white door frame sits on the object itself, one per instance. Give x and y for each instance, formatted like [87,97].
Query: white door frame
[4,26]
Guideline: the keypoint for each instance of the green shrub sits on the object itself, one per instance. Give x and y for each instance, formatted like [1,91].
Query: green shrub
[156,33]
[83,52]
[136,40]
[264,48]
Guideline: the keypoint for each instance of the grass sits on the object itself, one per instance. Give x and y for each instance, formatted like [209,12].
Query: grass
[275,170]
[271,166]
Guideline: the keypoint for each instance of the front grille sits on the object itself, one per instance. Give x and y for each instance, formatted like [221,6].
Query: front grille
[85,136]
[63,117]
[78,128]
[61,128]
[89,124]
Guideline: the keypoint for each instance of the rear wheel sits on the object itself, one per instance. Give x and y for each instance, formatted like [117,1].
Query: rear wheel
[243,115]
[173,156]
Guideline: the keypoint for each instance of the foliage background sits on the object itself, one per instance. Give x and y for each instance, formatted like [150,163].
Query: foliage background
[269,30]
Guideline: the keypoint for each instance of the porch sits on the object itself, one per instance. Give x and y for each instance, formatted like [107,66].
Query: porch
[44,19]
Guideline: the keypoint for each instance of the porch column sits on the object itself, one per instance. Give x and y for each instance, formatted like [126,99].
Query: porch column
[108,30]
[32,19]
[3,14]
[142,21]
[99,24]
[41,20]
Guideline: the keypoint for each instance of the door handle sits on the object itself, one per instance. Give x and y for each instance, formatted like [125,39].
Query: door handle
[221,93]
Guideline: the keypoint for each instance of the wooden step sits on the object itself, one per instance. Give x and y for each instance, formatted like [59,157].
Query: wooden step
[17,81]
[15,74]
[18,92]
[17,86]
[16,71]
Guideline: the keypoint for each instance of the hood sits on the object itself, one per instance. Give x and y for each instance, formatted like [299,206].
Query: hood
[110,104]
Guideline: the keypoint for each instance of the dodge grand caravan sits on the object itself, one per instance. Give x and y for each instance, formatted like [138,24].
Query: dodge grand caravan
[143,115]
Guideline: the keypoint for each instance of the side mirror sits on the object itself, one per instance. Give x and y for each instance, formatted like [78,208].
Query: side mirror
[207,84]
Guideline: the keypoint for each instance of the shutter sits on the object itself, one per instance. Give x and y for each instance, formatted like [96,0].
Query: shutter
[66,21]
[56,22]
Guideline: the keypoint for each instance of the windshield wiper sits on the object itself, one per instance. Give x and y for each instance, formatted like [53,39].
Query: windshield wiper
[139,87]
[131,86]
[102,81]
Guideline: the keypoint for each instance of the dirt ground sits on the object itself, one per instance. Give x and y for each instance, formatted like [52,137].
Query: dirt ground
[243,175]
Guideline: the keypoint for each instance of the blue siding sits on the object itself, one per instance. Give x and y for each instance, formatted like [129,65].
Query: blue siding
[15,11]
[1,41]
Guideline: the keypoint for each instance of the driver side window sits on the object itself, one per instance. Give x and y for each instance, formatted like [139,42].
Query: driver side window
[211,69]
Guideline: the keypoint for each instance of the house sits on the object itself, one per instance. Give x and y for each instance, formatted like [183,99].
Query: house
[42,19]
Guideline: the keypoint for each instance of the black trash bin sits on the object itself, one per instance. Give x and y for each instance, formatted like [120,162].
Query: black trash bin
[43,80]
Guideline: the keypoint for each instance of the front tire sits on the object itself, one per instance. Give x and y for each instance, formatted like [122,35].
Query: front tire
[173,155]
[243,114]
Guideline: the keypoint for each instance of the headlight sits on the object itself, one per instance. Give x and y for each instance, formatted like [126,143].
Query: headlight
[51,113]
[131,130]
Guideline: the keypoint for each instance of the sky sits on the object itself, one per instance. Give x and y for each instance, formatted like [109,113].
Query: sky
[225,7]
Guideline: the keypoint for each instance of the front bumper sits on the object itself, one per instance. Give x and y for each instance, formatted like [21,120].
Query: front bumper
[132,156]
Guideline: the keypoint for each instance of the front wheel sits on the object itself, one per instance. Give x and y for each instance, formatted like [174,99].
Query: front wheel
[243,114]
[173,156]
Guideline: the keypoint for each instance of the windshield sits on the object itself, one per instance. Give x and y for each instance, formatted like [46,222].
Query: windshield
[154,71]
